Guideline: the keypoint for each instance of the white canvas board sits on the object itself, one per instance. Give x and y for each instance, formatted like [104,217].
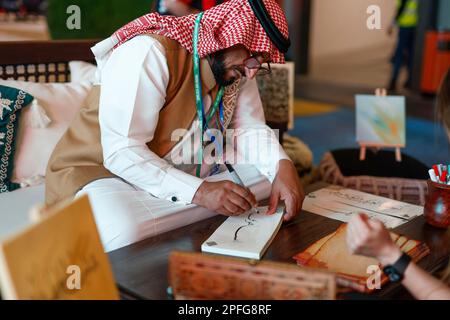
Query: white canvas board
[380,120]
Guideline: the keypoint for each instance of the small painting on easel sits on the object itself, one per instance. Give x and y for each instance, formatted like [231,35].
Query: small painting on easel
[380,122]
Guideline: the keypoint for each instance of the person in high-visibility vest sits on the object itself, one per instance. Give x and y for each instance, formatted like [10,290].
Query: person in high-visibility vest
[406,20]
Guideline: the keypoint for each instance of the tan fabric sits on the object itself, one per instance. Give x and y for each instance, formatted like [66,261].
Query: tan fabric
[78,158]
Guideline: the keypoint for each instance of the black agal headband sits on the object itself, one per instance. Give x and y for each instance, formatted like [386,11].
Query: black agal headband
[269,26]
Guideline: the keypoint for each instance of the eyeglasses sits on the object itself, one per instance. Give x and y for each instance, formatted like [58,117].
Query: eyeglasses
[253,63]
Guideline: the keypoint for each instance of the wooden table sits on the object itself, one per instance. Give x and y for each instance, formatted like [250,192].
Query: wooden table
[140,269]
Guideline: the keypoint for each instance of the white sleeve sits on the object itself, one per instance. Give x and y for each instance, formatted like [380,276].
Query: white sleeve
[134,82]
[255,142]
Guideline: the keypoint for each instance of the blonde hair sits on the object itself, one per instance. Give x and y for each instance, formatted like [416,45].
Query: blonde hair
[443,101]
[443,113]
[446,275]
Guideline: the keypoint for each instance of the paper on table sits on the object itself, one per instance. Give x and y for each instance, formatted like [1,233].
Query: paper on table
[246,236]
[341,204]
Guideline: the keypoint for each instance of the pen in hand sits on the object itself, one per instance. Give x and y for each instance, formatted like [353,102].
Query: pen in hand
[238,181]
[234,175]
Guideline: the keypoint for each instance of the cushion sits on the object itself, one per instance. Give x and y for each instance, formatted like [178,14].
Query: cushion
[380,164]
[300,154]
[379,174]
[12,101]
[61,102]
[81,71]
[14,215]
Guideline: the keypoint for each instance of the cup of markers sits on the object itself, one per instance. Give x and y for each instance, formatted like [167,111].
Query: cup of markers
[437,203]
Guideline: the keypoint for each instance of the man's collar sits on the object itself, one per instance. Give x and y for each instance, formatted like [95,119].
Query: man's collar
[208,80]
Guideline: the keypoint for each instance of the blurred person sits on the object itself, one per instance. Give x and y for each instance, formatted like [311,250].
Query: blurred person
[406,19]
[184,7]
[371,238]
[33,6]
[12,7]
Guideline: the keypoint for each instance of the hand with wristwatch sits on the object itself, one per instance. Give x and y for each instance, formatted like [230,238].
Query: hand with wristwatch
[369,237]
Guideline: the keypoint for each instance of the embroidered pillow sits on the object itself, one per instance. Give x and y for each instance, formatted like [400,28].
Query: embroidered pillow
[11,103]
[34,146]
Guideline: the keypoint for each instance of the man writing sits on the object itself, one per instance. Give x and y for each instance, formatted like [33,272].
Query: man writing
[159,74]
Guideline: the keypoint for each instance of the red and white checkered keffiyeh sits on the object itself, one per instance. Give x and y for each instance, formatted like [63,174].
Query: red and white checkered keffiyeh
[222,26]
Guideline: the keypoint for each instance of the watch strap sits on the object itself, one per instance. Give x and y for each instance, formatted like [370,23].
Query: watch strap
[402,263]
[396,271]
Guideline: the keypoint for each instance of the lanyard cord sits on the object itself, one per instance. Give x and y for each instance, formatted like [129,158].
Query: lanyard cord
[204,120]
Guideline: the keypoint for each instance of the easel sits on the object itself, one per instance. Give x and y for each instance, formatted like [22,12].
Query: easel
[380,92]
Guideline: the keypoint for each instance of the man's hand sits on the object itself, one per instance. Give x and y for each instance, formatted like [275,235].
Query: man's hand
[224,197]
[288,188]
[370,238]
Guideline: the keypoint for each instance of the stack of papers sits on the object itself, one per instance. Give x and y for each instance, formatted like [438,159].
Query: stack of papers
[341,204]
[331,253]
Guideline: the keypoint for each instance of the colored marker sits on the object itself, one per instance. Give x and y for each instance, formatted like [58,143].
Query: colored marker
[444,177]
[436,170]
[432,175]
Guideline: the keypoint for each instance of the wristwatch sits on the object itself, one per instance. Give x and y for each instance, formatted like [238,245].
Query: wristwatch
[396,271]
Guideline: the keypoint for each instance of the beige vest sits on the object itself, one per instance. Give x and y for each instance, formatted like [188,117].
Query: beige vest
[78,157]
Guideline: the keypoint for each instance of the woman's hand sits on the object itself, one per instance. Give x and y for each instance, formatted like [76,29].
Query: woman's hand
[369,237]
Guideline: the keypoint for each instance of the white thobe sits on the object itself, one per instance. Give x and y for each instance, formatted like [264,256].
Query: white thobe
[134,79]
